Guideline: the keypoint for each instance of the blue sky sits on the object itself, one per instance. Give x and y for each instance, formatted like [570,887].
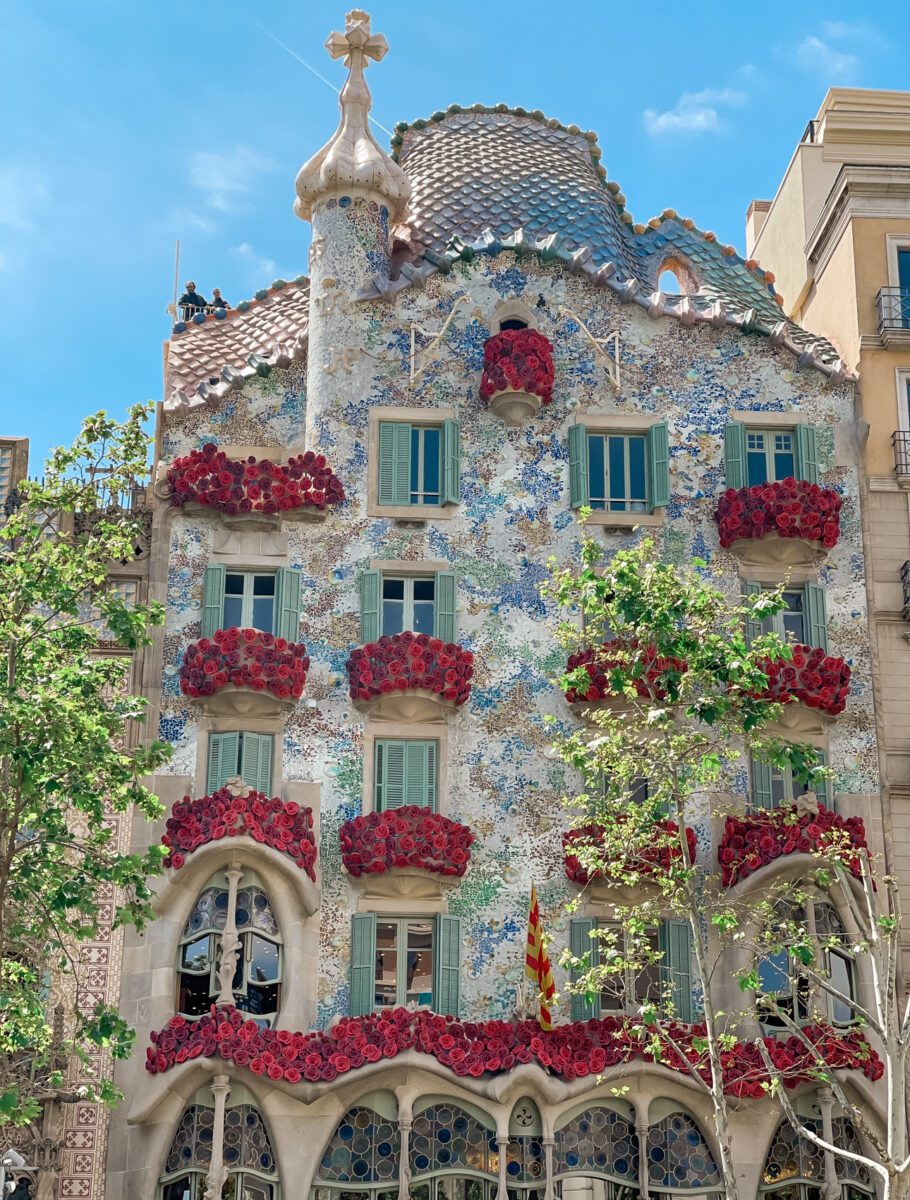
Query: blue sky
[124,126]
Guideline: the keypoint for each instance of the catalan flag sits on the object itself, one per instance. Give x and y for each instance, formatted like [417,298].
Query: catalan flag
[537,963]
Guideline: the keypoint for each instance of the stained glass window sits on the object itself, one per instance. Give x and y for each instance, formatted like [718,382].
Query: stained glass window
[793,1160]
[365,1151]
[248,1155]
[525,1160]
[446,1138]
[679,1157]
[599,1141]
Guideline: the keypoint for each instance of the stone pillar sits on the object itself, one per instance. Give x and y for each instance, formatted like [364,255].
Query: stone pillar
[229,942]
[831,1190]
[549,1190]
[214,1181]
[501,1145]
[641,1132]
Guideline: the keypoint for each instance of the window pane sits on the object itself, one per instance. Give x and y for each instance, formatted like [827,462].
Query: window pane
[263,585]
[792,616]
[262,959]
[393,589]
[392,606]
[597,472]
[616,450]
[842,979]
[638,489]
[386,964]
[784,455]
[194,998]
[424,593]
[197,956]
[419,981]
[178,1189]
[259,1001]
[774,974]
[781,787]
[432,463]
[233,611]
[264,614]
[424,589]
[756,459]
[648,981]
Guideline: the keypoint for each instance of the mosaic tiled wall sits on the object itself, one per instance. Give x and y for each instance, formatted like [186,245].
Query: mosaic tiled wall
[514,514]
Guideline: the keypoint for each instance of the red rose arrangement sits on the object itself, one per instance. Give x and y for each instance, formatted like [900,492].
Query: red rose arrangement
[818,679]
[658,857]
[281,824]
[410,660]
[208,477]
[409,836]
[474,1048]
[752,841]
[244,658]
[598,661]
[517,360]
[788,507]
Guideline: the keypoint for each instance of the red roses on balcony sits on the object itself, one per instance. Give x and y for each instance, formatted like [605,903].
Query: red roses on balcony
[409,836]
[598,661]
[752,841]
[817,679]
[281,824]
[474,1048]
[517,360]
[208,477]
[790,508]
[244,658]
[404,661]
[648,860]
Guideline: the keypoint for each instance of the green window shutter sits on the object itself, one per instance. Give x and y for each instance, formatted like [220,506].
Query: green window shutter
[213,599]
[762,796]
[389,771]
[658,447]
[370,583]
[580,944]
[816,616]
[256,761]
[394,462]
[445,606]
[735,453]
[447,976]
[752,627]
[579,492]
[287,604]
[823,789]
[363,963]
[676,970]
[224,750]
[806,454]
[420,773]
[451,462]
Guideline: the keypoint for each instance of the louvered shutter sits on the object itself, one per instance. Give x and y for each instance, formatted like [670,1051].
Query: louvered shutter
[370,586]
[447,976]
[451,462]
[580,944]
[212,599]
[762,795]
[806,454]
[287,604]
[420,773]
[224,751]
[394,462]
[676,971]
[823,789]
[445,606]
[816,616]
[658,447]
[735,453]
[389,790]
[363,963]
[752,627]
[256,761]
[579,492]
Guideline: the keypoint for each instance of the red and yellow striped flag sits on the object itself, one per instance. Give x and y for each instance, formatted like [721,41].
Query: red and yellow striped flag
[537,963]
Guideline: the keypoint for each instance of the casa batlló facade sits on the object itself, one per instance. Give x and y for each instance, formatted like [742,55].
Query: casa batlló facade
[360,477]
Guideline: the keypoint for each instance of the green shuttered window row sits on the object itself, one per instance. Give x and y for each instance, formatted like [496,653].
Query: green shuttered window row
[405,772]
[371,606]
[775,787]
[446,964]
[657,457]
[435,472]
[287,602]
[675,942]
[735,454]
[248,755]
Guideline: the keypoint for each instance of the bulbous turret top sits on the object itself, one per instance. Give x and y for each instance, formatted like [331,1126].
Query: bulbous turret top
[352,160]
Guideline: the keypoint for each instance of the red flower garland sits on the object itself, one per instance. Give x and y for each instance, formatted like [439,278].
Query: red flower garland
[517,360]
[210,478]
[787,507]
[818,679]
[281,824]
[597,661]
[752,841]
[409,836]
[244,658]
[410,660]
[473,1048]
[657,857]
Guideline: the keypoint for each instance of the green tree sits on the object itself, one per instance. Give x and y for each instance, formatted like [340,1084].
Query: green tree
[683,694]
[65,765]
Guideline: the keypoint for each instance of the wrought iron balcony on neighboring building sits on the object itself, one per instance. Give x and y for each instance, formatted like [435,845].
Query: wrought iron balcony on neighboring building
[905,585]
[893,305]
[900,441]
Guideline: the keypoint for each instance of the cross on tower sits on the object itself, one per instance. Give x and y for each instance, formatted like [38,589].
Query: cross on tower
[357,43]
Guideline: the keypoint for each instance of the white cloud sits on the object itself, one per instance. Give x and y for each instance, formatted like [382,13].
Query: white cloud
[694,112]
[22,195]
[227,179]
[260,271]
[860,31]
[814,54]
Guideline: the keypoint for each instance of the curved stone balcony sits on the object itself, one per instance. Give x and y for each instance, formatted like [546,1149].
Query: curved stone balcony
[239,672]
[409,838]
[410,677]
[597,661]
[754,840]
[653,860]
[786,523]
[811,686]
[517,374]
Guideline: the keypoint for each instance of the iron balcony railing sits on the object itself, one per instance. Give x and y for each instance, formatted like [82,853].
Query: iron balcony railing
[893,308]
[905,584]
[901,443]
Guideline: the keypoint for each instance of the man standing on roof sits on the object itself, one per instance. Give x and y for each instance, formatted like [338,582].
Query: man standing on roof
[218,301]
[191,302]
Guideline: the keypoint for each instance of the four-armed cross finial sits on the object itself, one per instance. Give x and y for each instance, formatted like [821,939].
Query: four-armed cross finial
[357,39]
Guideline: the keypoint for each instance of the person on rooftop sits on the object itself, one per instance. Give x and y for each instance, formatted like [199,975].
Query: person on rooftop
[218,301]
[191,302]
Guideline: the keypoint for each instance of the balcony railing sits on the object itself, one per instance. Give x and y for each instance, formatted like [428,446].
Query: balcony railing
[905,585]
[901,443]
[893,309]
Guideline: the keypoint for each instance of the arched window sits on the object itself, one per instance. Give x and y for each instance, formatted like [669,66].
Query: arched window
[668,283]
[674,278]
[680,1160]
[512,315]
[795,1167]
[363,1157]
[453,1154]
[596,1156]
[785,991]
[248,1155]
[256,984]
